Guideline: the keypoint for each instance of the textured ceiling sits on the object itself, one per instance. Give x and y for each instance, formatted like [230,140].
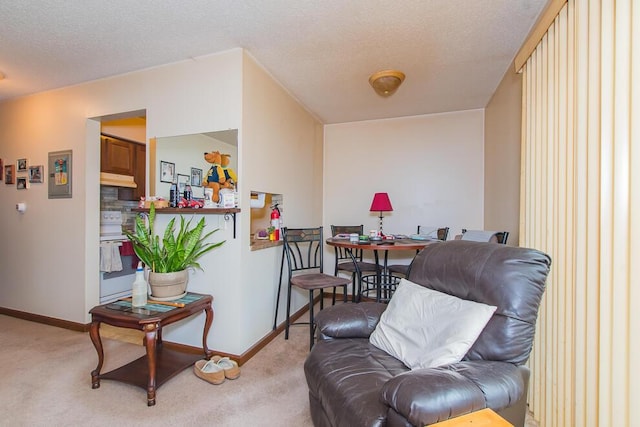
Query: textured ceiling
[454,52]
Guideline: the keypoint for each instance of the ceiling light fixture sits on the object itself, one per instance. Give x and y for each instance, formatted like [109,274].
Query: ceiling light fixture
[386,82]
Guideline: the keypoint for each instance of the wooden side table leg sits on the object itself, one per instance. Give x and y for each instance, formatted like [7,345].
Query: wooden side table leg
[159,339]
[150,343]
[207,325]
[94,333]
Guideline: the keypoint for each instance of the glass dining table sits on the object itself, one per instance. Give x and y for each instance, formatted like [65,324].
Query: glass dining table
[382,282]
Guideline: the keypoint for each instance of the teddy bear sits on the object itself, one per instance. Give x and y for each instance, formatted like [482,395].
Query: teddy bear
[215,178]
[229,174]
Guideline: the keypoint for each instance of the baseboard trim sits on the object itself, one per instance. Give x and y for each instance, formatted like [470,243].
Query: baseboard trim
[241,359]
[252,351]
[51,321]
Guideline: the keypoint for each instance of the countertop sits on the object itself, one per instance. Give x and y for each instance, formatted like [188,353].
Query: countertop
[257,244]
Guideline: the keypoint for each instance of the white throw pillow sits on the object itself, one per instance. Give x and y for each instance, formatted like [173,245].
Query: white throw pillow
[425,328]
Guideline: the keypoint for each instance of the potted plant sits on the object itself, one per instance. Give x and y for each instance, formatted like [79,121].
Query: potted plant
[168,259]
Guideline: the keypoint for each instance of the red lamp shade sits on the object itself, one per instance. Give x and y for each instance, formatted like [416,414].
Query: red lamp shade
[381,203]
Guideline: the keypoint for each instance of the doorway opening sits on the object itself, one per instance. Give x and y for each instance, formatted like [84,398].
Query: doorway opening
[123,160]
[123,180]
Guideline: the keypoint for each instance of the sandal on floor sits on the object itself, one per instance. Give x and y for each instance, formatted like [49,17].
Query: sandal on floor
[230,367]
[209,371]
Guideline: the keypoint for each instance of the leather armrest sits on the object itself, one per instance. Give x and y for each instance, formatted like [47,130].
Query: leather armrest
[349,320]
[427,396]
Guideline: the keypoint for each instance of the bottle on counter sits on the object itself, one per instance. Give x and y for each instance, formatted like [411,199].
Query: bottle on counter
[139,288]
[174,195]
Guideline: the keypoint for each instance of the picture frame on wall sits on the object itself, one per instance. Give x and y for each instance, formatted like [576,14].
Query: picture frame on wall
[9,174]
[167,171]
[36,173]
[22,165]
[1,170]
[21,183]
[183,180]
[196,177]
[60,169]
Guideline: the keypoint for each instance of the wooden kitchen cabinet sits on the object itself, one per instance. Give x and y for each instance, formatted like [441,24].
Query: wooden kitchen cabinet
[117,156]
[122,157]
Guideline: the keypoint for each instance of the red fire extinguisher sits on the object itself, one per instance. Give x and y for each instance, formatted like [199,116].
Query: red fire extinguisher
[275,221]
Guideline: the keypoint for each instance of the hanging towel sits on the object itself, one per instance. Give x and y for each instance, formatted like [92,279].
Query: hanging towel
[127,250]
[110,257]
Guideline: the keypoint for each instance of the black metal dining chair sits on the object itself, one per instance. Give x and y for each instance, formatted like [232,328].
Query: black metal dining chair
[441,233]
[350,260]
[485,236]
[303,249]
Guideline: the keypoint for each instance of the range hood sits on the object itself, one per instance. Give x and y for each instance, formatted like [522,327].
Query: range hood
[115,180]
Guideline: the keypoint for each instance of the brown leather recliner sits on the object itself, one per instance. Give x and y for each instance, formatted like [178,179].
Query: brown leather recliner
[353,383]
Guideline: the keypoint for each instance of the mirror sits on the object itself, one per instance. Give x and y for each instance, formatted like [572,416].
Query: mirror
[182,157]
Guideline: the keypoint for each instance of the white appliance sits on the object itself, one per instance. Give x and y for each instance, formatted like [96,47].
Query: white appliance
[115,284]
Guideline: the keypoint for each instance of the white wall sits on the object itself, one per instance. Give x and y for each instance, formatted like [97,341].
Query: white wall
[49,258]
[50,262]
[502,157]
[432,166]
[281,154]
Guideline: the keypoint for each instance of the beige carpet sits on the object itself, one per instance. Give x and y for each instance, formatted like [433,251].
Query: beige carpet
[45,381]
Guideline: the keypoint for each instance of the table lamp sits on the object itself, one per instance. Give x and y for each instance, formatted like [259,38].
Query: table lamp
[381,203]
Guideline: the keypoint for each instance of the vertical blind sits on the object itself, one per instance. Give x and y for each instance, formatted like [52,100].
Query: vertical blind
[580,202]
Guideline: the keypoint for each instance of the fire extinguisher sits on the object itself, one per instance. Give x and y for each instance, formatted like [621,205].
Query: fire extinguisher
[275,221]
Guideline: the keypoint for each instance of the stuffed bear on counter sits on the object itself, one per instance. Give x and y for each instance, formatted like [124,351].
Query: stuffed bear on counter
[215,178]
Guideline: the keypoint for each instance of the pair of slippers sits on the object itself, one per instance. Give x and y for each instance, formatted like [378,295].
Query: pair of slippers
[216,370]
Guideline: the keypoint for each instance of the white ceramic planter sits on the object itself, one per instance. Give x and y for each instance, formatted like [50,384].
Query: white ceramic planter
[167,286]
